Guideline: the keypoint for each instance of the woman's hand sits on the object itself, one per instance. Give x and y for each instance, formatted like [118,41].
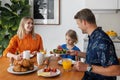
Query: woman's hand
[34,53]
[18,57]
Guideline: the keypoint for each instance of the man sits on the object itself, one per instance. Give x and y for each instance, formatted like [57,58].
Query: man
[100,51]
[113,70]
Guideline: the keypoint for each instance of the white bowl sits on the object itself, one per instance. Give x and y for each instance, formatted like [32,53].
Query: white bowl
[112,37]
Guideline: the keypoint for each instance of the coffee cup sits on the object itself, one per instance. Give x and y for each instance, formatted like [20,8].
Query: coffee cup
[26,54]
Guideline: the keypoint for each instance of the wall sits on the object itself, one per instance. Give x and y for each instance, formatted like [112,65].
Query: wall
[109,21]
[54,35]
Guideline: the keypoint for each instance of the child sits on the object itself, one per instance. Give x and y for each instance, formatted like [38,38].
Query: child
[71,40]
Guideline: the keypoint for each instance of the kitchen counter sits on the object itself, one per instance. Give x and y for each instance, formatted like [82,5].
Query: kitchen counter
[114,40]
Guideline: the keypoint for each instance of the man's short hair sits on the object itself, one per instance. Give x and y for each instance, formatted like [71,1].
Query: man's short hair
[86,14]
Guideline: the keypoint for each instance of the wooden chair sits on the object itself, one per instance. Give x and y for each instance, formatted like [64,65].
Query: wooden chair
[119,60]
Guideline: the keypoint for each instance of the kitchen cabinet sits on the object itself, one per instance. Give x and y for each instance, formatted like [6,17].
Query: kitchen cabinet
[115,41]
[118,4]
[101,4]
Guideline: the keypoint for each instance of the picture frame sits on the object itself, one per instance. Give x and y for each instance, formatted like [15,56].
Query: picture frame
[46,12]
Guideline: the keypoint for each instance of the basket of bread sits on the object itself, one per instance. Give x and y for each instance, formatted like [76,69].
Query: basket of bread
[23,65]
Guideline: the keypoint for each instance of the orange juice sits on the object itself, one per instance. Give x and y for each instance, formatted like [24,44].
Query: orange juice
[67,64]
[43,51]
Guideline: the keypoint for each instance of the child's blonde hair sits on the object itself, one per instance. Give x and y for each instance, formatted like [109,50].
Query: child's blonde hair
[21,29]
[73,35]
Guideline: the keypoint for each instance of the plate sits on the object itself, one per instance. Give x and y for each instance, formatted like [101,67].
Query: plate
[10,70]
[48,74]
[60,62]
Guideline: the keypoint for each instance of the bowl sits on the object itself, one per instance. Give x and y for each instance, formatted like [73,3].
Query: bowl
[112,37]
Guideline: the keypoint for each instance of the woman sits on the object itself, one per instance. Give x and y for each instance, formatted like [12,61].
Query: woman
[25,39]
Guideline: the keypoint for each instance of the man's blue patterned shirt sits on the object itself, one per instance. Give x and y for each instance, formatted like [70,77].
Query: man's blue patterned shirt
[101,52]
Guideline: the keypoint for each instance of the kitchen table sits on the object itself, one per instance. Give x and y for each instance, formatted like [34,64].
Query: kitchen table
[5,75]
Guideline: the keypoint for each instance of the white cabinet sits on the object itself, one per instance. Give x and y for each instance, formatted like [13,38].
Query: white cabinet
[116,44]
[101,4]
[118,4]
[117,47]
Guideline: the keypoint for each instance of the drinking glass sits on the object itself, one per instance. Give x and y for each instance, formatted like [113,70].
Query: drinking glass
[44,51]
[67,64]
[40,58]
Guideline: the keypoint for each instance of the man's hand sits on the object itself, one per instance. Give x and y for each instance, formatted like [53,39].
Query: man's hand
[72,52]
[80,66]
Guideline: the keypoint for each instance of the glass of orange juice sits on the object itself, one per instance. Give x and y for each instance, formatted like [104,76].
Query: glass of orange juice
[67,64]
[43,51]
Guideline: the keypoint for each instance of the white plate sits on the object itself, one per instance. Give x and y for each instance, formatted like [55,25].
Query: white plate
[48,74]
[60,62]
[10,70]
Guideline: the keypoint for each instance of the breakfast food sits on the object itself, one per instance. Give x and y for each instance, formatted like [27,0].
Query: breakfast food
[17,68]
[23,65]
[111,33]
[49,69]
[58,50]
[49,73]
